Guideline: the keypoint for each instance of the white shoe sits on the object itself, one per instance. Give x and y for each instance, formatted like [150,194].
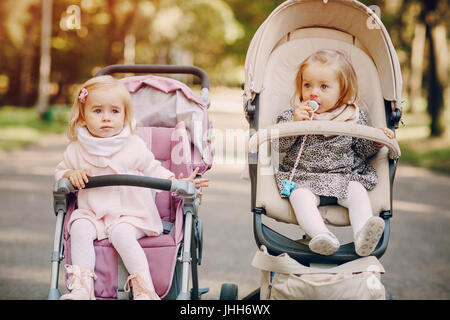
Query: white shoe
[367,238]
[324,243]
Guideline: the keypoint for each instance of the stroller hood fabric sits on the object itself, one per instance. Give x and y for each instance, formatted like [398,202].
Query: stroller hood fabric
[164,102]
[344,15]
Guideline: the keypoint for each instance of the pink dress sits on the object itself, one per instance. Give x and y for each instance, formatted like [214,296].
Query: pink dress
[105,207]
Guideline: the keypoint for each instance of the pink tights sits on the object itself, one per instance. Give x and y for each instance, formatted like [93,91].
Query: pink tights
[123,237]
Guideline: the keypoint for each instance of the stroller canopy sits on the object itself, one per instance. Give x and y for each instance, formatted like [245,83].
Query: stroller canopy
[348,16]
[165,102]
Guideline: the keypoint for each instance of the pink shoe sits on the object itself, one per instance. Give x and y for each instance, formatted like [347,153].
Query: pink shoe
[81,285]
[142,286]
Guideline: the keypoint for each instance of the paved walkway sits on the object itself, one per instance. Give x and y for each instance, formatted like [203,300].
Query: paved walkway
[417,261]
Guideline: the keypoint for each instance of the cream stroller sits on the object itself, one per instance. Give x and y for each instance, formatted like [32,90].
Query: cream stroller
[294,30]
[173,121]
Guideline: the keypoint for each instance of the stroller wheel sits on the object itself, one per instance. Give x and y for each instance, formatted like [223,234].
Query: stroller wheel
[228,291]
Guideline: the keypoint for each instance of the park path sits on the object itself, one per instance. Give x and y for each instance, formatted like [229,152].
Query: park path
[417,260]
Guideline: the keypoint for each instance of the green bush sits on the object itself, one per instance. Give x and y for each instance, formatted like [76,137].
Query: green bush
[431,153]
[20,126]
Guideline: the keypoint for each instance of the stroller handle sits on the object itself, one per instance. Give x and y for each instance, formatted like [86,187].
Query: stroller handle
[153,68]
[181,187]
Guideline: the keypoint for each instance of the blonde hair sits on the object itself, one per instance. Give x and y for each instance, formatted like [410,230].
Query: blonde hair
[98,83]
[344,71]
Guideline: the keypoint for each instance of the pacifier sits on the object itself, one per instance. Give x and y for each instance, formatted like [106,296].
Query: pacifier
[314,105]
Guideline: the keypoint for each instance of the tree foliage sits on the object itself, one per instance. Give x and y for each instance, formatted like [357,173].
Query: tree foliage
[211,34]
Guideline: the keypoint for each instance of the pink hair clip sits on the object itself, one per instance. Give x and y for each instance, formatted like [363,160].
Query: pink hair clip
[83,94]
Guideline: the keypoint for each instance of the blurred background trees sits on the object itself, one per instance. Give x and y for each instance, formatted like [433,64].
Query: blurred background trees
[211,34]
[419,30]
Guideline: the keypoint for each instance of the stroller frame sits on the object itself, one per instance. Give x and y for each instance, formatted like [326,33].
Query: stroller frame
[190,252]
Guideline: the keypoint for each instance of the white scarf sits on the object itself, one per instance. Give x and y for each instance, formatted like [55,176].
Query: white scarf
[103,147]
[344,113]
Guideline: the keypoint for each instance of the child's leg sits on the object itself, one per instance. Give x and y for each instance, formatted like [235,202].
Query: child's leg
[82,236]
[358,204]
[367,229]
[305,203]
[81,286]
[124,239]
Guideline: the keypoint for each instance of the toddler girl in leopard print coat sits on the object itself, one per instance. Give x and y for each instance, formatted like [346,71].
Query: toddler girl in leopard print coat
[333,166]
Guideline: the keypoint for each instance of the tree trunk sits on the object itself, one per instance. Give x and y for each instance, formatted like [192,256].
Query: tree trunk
[27,58]
[437,67]
[117,32]
[45,65]
[415,83]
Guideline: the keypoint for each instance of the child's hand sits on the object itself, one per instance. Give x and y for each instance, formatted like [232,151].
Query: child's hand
[388,132]
[198,183]
[302,112]
[77,177]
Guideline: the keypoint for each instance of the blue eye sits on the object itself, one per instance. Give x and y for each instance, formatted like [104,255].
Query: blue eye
[324,86]
[97,110]
[115,111]
[307,85]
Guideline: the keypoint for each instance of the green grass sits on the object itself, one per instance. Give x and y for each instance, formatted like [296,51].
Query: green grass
[419,149]
[22,126]
[431,153]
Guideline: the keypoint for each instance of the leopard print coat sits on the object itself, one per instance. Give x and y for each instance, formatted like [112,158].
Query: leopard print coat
[328,163]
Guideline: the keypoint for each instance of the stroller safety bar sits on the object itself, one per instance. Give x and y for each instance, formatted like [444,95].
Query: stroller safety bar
[63,186]
[180,187]
[324,128]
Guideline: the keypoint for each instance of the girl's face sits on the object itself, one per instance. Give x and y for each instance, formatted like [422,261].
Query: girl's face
[320,83]
[104,113]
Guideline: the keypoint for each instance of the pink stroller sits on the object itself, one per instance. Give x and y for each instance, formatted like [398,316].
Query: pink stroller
[173,121]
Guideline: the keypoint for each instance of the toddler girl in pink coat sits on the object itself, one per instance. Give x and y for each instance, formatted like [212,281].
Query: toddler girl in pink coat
[102,142]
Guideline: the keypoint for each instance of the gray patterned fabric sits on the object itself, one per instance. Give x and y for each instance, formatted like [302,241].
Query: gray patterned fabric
[327,163]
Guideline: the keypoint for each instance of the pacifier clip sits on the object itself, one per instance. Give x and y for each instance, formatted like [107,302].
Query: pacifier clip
[289,185]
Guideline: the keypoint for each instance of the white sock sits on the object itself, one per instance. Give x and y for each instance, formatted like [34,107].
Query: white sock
[82,236]
[305,204]
[358,204]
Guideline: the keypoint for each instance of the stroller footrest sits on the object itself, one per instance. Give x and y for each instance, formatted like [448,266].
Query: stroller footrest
[122,275]
[122,295]
[277,243]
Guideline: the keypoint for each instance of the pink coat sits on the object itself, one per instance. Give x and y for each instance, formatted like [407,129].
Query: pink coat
[107,206]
